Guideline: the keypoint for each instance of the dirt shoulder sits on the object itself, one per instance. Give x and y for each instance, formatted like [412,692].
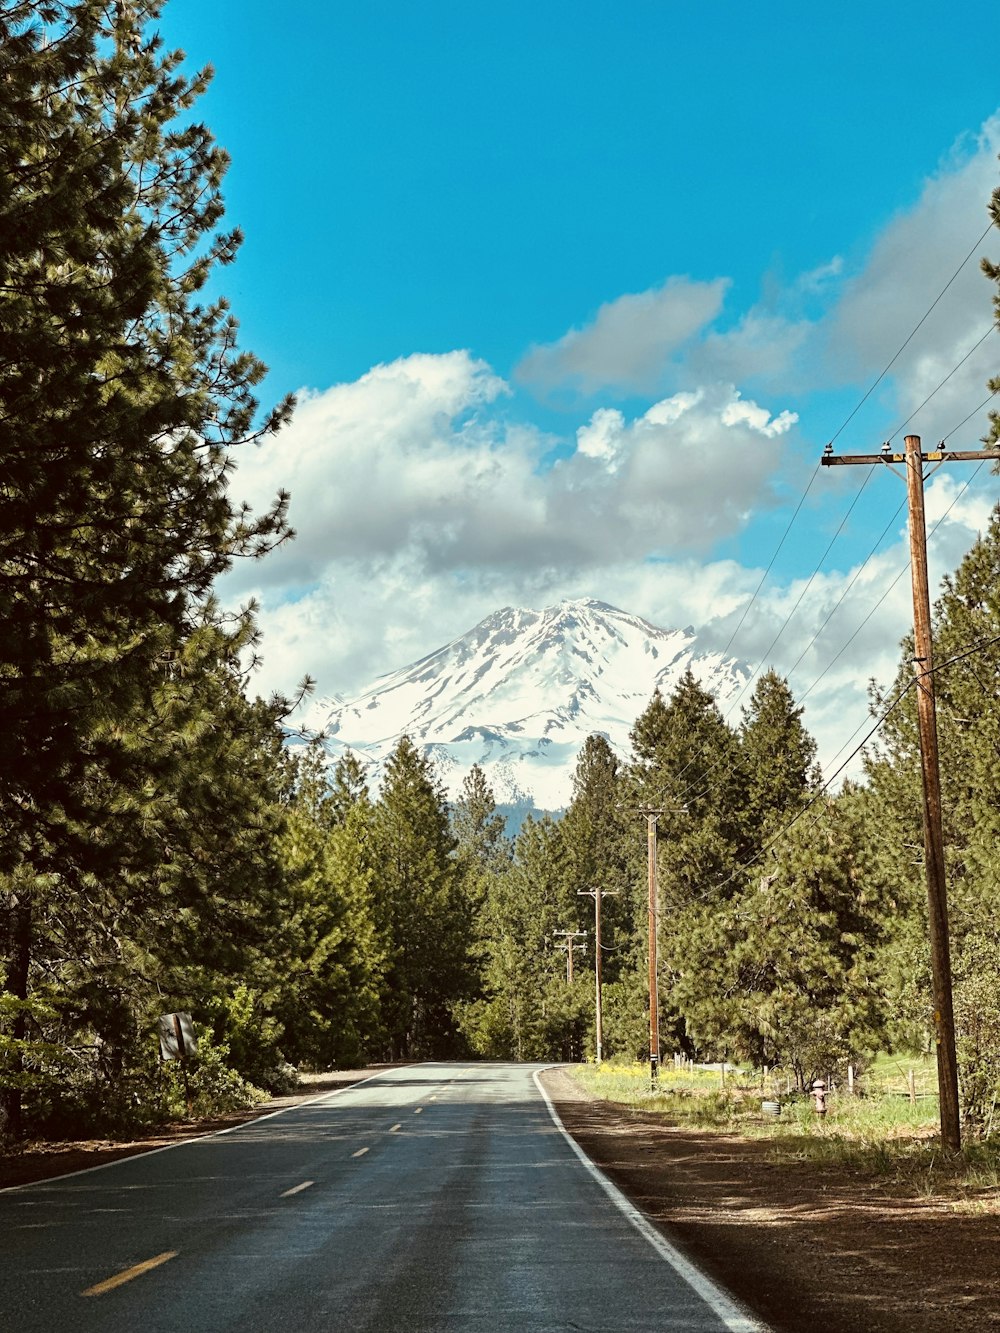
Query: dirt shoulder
[806,1246]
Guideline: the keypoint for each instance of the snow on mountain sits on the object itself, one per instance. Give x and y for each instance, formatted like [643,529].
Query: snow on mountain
[521,692]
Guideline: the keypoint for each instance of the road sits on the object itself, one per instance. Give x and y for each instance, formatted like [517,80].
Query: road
[440,1198]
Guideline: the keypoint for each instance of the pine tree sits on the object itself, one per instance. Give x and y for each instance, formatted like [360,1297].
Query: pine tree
[805,991]
[689,763]
[481,844]
[196,907]
[349,786]
[122,397]
[779,755]
[423,916]
[327,985]
[528,1011]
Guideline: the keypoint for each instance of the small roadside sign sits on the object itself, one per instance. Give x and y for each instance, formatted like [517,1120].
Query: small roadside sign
[177,1039]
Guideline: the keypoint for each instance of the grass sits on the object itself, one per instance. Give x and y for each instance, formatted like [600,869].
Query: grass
[880,1135]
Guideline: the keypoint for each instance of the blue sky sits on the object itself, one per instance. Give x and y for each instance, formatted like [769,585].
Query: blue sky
[668,245]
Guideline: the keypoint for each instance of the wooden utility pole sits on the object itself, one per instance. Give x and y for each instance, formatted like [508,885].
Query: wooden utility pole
[571,937]
[597,895]
[651,815]
[923,661]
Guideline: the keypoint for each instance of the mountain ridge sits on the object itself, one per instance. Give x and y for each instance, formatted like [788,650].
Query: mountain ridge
[520,692]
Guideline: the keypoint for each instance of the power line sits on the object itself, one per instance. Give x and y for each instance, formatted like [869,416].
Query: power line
[788,618]
[973,413]
[910,336]
[690,793]
[777,551]
[791,614]
[940,386]
[888,590]
[820,792]
[840,529]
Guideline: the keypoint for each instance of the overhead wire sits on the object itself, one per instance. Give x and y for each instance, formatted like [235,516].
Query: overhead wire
[911,335]
[770,566]
[746,611]
[974,412]
[940,386]
[817,795]
[843,426]
[937,667]
[885,530]
[821,791]
[690,793]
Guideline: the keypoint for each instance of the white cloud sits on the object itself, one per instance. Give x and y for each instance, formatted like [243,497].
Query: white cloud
[910,263]
[599,437]
[630,340]
[758,418]
[421,506]
[413,497]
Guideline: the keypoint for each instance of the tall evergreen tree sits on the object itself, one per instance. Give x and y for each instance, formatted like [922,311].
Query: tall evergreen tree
[122,397]
[481,843]
[689,763]
[528,1011]
[779,755]
[799,977]
[328,979]
[420,909]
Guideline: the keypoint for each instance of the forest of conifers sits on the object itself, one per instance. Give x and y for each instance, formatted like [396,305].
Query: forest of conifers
[164,848]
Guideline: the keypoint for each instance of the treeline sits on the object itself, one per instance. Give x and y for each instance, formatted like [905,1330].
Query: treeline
[164,848]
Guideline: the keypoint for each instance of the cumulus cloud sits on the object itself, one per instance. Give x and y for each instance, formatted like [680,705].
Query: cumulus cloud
[912,259]
[425,497]
[842,323]
[630,340]
[408,459]
[412,479]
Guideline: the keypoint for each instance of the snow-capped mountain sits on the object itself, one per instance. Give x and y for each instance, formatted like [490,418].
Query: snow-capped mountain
[521,692]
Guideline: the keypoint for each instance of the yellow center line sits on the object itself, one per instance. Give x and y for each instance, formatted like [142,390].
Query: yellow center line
[395,1127]
[297,1189]
[360,1153]
[137,1270]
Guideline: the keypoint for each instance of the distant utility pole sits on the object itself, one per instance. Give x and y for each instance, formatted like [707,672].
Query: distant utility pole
[571,937]
[651,814]
[937,892]
[597,895]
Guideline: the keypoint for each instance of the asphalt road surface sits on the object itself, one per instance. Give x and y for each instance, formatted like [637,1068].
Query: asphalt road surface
[440,1198]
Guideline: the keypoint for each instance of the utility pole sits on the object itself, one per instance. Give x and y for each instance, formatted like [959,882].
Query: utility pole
[923,648]
[571,937]
[651,815]
[597,895]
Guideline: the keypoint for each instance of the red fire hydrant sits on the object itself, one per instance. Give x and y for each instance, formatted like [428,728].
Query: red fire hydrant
[818,1094]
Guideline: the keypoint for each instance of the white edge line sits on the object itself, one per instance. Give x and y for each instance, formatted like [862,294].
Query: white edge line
[720,1302]
[196,1138]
